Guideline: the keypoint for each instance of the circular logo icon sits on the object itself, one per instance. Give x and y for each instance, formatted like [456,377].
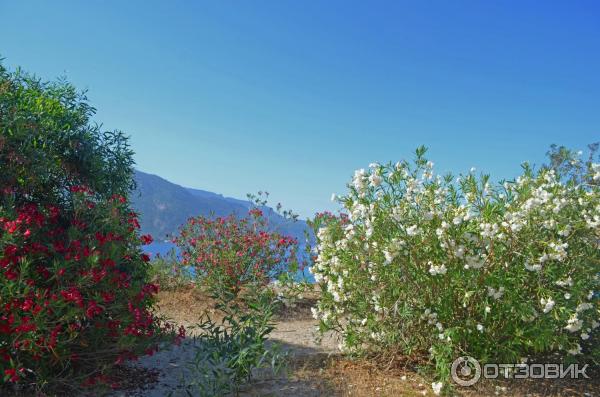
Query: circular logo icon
[466,371]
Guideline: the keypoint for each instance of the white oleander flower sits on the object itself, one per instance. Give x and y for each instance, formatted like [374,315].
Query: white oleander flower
[437,387]
[434,270]
[574,324]
[375,180]
[565,283]
[596,171]
[575,351]
[359,180]
[412,230]
[583,307]
[315,312]
[496,294]
[548,304]
[533,268]
[389,257]
[474,262]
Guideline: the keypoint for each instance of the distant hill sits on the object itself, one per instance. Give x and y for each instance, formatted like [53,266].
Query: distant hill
[165,206]
[211,195]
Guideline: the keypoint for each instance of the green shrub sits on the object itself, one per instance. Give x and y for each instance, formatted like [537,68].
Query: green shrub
[228,352]
[167,272]
[442,267]
[248,269]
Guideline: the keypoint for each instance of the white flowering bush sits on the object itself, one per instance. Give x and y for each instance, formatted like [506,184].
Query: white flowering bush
[438,267]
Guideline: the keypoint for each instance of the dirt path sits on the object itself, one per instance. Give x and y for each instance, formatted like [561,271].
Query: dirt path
[294,333]
[295,337]
[315,369]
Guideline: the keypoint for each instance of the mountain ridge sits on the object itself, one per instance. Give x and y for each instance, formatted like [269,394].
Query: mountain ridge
[165,206]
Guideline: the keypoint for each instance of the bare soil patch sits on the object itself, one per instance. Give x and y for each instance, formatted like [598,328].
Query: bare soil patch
[317,369]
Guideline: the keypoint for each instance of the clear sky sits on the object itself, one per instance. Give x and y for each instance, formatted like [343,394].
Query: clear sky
[293,96]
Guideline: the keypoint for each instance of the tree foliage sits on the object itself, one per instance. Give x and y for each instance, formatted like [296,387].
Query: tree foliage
[74,291]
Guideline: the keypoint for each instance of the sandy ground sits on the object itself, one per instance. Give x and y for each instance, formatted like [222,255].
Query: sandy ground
[295,337]
[315,369]
[295,333]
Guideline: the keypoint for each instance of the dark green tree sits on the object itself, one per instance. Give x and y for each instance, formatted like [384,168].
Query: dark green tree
[74,291]
[573,166]
[49,142]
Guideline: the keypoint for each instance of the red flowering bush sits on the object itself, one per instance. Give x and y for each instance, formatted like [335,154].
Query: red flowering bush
[236,259]
[326,218]
[229,253]
[73,290]
[74,295]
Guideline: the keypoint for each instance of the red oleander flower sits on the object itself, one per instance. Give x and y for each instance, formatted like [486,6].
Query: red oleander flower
[146,239]
[12,374]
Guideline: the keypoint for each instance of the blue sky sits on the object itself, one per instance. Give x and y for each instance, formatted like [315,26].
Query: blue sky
[291,97]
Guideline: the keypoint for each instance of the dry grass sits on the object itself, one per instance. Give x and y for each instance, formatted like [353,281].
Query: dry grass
[363,379]
[185,306]
[317,371]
